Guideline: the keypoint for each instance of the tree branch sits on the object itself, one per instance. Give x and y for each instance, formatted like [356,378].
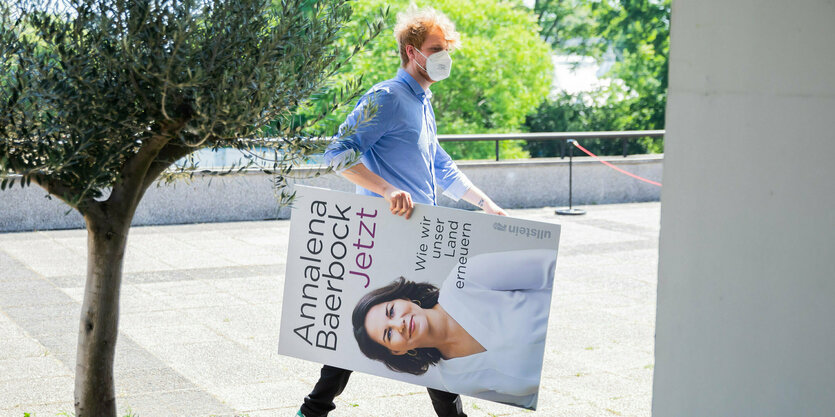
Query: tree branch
[56,188]
[129,187]
[64,192]
[546,34]
[541,9]
[167,156]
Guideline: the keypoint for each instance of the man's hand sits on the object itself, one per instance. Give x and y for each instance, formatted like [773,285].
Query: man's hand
[400,202]
[493,208]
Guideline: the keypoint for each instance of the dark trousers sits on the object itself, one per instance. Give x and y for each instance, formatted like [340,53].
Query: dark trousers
[332,382]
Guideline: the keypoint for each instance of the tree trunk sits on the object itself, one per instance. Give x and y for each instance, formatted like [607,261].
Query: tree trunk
[94,387]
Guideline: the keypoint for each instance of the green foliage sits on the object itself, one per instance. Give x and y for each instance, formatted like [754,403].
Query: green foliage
[89,87]
[508,149]
[567,25]
[640,33]
[500,74]
[589,112]
[637,32]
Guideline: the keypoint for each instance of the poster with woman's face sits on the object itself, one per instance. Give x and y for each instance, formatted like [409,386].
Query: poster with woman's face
[449,299]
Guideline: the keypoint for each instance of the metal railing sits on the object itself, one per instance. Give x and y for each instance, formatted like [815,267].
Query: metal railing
[549,136]
[215,160]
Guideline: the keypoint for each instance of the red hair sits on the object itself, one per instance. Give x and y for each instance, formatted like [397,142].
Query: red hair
[414,25]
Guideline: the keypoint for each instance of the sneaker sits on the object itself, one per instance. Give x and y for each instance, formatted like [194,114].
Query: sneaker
[299,413]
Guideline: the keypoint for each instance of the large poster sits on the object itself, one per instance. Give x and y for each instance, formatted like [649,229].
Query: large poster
[448,299]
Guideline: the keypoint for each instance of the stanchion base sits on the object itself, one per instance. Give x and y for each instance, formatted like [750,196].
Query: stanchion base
[570,212]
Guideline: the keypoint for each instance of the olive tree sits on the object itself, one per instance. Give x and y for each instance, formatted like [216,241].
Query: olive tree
[99,98]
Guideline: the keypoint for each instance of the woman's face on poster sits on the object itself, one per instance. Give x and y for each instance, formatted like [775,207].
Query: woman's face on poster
[398,325]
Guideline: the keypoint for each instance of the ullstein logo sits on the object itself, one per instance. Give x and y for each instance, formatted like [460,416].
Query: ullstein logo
[523,231]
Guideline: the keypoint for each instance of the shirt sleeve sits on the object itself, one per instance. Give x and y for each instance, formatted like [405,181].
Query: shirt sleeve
[448,176]
[530,269]
[359,132]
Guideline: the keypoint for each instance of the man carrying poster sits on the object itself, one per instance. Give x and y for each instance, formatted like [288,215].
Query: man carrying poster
[401,159]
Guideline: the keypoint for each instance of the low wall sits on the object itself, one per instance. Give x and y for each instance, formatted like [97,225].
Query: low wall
[250,195]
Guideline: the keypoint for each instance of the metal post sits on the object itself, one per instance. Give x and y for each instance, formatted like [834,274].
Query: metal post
[497,150]
[570,211]
[623,141]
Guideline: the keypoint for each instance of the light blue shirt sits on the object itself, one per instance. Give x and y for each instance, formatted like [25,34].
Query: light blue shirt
[399,143]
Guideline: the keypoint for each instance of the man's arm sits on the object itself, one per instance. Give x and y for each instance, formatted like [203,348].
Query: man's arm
[457,186]
[400,202]
[343,153]
[357,133]
[477,197]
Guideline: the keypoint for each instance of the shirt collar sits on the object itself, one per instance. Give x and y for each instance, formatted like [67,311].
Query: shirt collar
[417,90]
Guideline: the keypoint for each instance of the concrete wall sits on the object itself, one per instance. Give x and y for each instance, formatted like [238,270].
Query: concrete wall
[746,295]
[250,196]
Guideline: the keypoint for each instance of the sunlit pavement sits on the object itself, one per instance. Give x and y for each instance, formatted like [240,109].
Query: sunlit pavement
[201,308]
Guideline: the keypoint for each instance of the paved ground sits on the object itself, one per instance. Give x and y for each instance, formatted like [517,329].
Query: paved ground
[201,309]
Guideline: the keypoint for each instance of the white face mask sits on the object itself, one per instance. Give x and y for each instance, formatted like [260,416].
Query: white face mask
[438,65]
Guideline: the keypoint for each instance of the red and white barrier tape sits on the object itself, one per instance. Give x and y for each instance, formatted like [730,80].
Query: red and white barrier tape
[614,167]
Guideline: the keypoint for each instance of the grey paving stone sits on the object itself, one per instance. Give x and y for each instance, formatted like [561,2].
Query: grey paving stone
[68,281]
[152,319]
[247,398]
[288,411]
[181,274]
[46,257]
[270,270]
[264,298]
[60,344]
[641,312]
[58,408]
[565,301]
[132,382]
[416,404]
[237,322]
[35,391]
[29,367]
[66,309]
[596,387]
[67,358]
[139,301]
[250,283]
[620,226]
[229,365]
[31,298]
[176,335]
[32,284]
[608,247]
[130,356]
[217,299]
[306,372]
[20,236]
[646,259]
[627,406]
[12,270]
[612,359]
[185,403]
[55,325]
[22,347]
[642,375]
[184,288]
